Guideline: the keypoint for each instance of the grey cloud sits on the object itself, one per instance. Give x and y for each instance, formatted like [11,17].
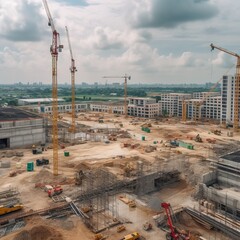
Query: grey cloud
[26,26]
[171,13]
[105,40]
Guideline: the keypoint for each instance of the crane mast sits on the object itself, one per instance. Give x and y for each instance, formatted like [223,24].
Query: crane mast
[54,49]
[236,87]
[126,77]
[73,69]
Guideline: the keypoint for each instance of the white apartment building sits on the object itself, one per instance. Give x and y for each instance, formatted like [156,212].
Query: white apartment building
[110,107]
[213,107]
[171,103]
[227,108]
[204,95]
[63,108]
[143,107]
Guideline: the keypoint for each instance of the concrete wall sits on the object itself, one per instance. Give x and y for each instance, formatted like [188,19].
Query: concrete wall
[221,197]
[24,132]
[209,178]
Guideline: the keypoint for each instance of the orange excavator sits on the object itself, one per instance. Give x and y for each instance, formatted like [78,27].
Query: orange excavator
[174,233]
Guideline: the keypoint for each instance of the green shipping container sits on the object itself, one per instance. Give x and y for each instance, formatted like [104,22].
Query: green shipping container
[66,154]
[143,138]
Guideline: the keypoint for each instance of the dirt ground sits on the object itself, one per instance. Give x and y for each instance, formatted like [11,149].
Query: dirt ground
[114,156]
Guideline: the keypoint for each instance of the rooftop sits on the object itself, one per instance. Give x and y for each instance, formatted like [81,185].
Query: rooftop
[13,114]
[234,157]
[36,100]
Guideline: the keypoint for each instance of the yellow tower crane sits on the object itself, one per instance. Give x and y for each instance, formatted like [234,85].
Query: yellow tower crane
[236,87]
[73,69]
[126,77]
[54,49]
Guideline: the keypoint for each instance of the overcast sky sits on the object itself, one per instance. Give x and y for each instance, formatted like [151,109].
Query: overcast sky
[154,41]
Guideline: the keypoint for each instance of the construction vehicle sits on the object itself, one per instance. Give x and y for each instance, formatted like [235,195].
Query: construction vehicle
[56,190]
[41,162]
[10,208]
[198,138]
[36,150]
[54,49]
[147,226]
[217,132]
[131,236]
[126,77]
[174,233]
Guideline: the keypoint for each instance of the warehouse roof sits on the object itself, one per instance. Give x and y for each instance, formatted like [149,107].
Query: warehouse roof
[13,114]
[234,157]
[36,100]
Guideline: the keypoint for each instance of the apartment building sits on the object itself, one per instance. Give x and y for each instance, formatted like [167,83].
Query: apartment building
[143,107]
[204,95]
[171,103]
[110,107]
[227,107]
[213,107]
[65,107]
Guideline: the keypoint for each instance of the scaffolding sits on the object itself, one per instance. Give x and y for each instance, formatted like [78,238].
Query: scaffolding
[97,201]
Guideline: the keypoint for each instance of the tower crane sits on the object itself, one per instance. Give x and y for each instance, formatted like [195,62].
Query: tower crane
[236,87]
[73,69]
[54,49]
[126,77]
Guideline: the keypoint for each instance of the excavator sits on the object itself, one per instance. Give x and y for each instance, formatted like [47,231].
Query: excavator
[174,233]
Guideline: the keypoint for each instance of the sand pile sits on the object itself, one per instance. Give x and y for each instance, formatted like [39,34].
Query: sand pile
[45,176]
[40,232]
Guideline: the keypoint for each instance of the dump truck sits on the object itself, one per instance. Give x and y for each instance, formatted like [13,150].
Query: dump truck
[10,208]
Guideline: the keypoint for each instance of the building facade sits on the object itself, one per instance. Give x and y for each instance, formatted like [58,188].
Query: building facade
[171,103]
[19,128]
[64,108]
[213,108]
[143,107]
[227,108]
[110,107]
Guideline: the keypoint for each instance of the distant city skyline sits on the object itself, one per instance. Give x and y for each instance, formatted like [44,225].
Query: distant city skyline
[154,41]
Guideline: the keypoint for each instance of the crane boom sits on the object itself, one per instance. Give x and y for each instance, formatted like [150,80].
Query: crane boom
[126,77]
[223,50]
[55,48]
[236,87]
[50,20]
[73,69]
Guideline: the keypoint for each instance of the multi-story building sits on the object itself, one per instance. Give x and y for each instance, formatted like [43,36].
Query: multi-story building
[213,107]
[227,111]
[171,103]
[143,107]
[110,107]
[204,95]
[64,108]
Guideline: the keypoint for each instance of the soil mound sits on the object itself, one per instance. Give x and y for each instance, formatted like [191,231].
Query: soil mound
[39,233]
[45,176]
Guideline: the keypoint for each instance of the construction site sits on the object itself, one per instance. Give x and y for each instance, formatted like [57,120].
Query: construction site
[113,177]
[119,173]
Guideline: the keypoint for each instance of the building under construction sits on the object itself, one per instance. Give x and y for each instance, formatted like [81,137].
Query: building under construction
[19,128]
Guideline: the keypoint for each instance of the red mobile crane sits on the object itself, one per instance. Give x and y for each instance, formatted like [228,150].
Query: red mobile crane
[174,234]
